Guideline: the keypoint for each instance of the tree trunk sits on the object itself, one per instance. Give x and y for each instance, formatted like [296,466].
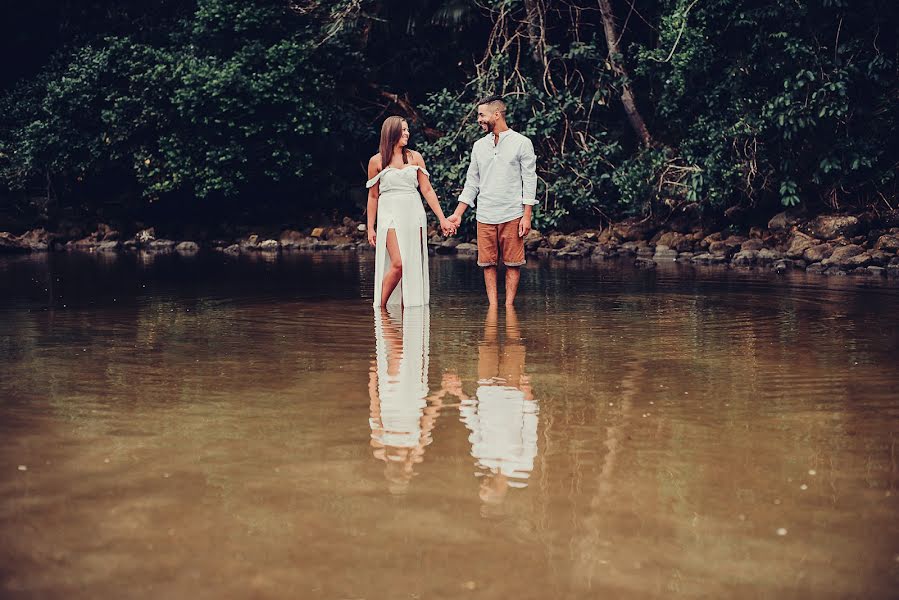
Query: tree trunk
[617,63]
[535,27]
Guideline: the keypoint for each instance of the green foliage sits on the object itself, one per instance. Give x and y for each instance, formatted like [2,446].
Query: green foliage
[577,150]
[747,103]
[783,99]
[569,183]
[239,93]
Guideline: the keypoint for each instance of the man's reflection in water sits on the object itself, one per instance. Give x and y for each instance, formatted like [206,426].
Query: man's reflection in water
[502,416]
[401,418]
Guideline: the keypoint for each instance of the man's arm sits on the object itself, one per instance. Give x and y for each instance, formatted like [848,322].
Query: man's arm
[528,185]
[469,192]
[524,226]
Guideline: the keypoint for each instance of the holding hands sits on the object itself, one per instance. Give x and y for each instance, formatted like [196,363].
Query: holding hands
[447,227]
[451,224]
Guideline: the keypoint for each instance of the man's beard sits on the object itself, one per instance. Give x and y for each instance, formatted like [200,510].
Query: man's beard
[488,126]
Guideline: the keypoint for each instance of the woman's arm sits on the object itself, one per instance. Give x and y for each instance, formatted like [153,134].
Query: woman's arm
[374,166]
[427,190]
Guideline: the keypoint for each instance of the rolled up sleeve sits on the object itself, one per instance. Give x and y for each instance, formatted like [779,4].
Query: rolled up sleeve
[472,182]
[528,173]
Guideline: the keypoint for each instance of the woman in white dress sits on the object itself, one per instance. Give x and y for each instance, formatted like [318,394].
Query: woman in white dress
[396,176]
[402,414]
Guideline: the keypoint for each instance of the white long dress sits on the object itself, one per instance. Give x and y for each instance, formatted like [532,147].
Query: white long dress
[400,208]
[402,396]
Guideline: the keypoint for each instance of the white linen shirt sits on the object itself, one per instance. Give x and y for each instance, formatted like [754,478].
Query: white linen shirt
[503,177]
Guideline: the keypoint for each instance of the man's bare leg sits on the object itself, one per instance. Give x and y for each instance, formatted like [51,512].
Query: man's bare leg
[490,284]
[513,275]
[491,331]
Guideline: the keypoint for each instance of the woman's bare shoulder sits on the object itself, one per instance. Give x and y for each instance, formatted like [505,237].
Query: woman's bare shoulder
[375,161]
[417,158]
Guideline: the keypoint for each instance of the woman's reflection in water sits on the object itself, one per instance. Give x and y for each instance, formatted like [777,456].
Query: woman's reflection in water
[502,416]
[401,417]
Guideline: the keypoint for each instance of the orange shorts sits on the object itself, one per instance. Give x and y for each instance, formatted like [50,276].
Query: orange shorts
[502,240]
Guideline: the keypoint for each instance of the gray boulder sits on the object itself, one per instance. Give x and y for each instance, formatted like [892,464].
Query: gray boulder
[291,238]
[783,265]
[628,248]
[87,244]
[842,255]
[829,227]
[187,248]
[9,242]
[816,268]
[887,243]
[753,244]
[664,253]
[447,246]
[533,240]
[878,258]
[577,249]
[249,243]
[767,256]
[109,246]
[745,258]
[145,236]
[558,240]
[36,240]
[719,247]
[161,246]
[859,261]
[735,241]
[676,241]
[817,253]
[467,249]
[782,221]
[632,230]
[711,259]
[798,245]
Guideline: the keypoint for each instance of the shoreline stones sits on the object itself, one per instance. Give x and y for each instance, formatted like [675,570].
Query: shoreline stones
[830,227]
[833,245]
[187,248]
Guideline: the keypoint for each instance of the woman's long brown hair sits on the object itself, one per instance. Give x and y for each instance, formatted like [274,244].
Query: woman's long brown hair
[391,132]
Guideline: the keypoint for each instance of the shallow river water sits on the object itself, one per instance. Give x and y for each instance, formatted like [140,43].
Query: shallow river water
[252,428]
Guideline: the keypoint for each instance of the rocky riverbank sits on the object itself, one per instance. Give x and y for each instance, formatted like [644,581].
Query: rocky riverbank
[833,245]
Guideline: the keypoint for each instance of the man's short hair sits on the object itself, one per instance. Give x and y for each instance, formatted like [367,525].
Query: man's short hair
[495,103]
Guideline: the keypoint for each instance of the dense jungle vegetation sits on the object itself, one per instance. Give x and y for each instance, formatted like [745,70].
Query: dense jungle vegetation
[217,111]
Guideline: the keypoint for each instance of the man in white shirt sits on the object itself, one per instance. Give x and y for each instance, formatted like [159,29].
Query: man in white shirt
[502,415]
[502,176]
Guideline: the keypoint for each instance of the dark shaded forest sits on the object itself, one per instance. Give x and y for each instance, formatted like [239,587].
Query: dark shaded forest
[215,112]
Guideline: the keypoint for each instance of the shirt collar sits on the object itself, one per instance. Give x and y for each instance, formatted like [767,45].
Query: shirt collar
[489,136]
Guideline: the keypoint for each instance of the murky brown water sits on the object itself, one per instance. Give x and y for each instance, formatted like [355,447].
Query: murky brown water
[253,429]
